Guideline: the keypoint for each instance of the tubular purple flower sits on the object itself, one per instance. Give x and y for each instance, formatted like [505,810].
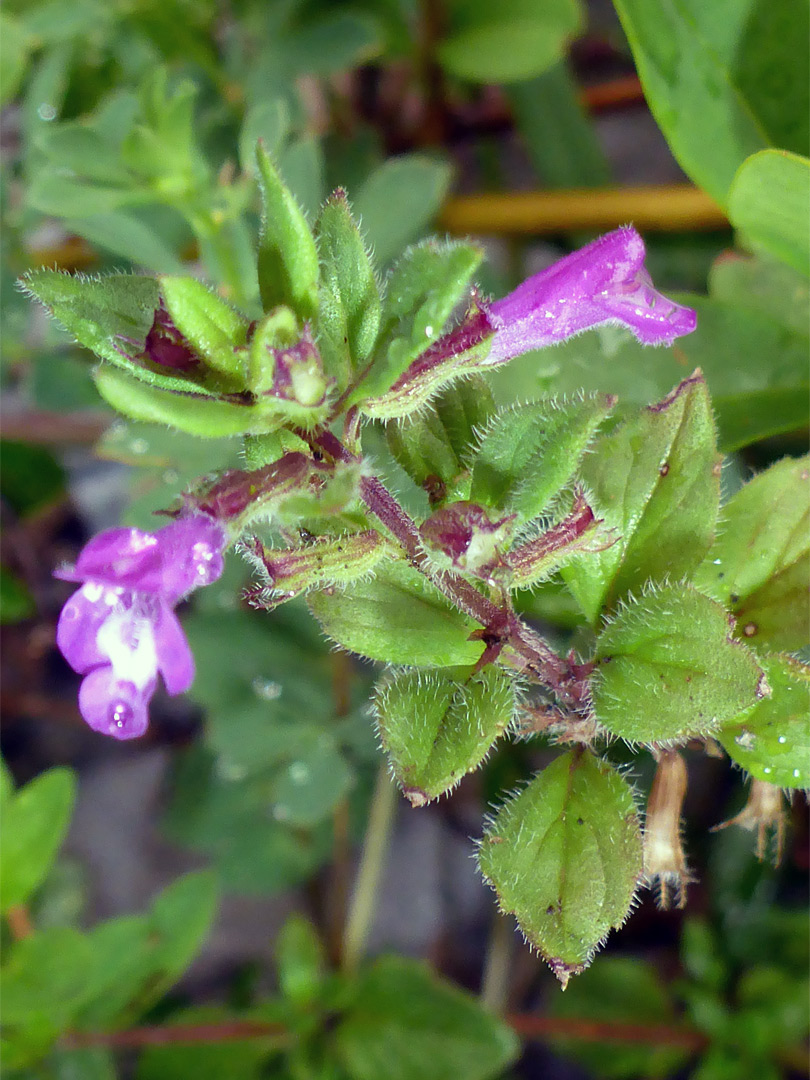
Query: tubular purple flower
[119,629]
[604,282]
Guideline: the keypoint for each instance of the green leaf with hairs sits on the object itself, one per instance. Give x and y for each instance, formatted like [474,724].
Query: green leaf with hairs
[667,668]
[564,856]
[398,617]
[760,562]
[436,728]
[772,740]
[655,482]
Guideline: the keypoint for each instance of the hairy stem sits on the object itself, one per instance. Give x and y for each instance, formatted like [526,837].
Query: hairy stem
[375,847]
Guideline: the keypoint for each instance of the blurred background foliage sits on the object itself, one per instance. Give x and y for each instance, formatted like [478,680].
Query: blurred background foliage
[128,129]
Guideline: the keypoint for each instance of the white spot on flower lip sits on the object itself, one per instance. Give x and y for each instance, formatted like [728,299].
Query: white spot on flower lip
[127,639]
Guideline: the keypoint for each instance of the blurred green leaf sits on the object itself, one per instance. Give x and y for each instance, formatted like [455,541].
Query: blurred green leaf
[125,235]
[764,285]
[516,39]
[236,1059]
[16,601]
[403,1022]
[398,201]
[723,80]
[335,41]
[300,959]
[34,825]
[15,47]
[30,477]
[266,120]
[769,202]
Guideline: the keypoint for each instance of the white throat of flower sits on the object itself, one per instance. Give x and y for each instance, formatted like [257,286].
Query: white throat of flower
[127,638]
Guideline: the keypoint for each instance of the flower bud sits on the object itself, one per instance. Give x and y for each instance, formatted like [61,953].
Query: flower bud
[664,859]
[288,572]
[237,496]
[536,560]
[285,368]
[465,534]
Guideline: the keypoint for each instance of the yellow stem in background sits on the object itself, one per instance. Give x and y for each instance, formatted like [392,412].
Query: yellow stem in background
[662,208]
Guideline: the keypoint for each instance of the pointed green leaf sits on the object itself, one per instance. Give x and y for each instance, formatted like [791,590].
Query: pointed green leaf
[180,920]
[34,825]
[422,291]
[350,306]
[207,322]
[529,452]
[403,1022]
[564,856]
[197,414]
[398,617]
[760,562]
[668,668]
[288,258]
[436,729]
[433,445]
[772,740]
[110,315]
[769,202]
[656,483]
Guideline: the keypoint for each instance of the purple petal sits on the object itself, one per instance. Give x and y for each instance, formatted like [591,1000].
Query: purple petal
[191,555]
[81,620]
[604,282]
[174,657]
[114,707]
[126,557]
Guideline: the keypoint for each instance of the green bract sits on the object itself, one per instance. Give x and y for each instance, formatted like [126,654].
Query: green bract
[564,856]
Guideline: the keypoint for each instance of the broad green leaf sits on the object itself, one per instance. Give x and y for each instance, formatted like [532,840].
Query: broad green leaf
[564,856]
[422,291]
[723,80]
[760,562]
[772,740]
[30,477]
[207,322]
[655,481]
[560,138]
[335,41]
[398,201]
[349,311]
[191,412]
[236,1059]
[288,258]
[764,285]
[667,668]
[306,791]
[769,203]
[229,818]
[34,826]
[300,960]
[435,729]
[398,618]
[122,967]
[528,453]
[515,40]
[433,445]
[404,1022]
[620,990]
[44,977]
[51,192]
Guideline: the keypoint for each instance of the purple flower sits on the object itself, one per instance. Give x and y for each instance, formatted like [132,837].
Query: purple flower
[119,629]
[604,282]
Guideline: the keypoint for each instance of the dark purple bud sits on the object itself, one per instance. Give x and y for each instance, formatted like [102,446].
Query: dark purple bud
[237,491]
[465,533]
[166,347]
[535,560]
